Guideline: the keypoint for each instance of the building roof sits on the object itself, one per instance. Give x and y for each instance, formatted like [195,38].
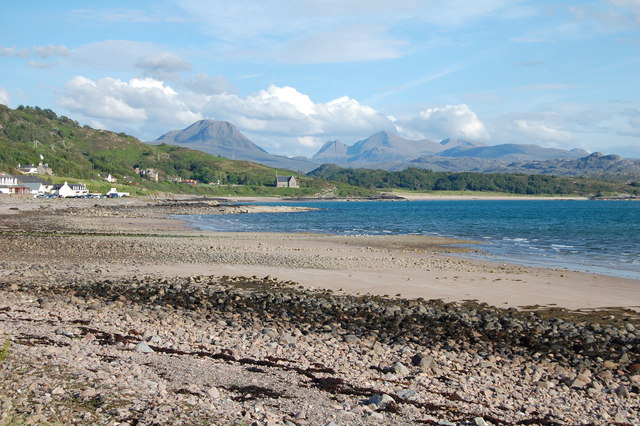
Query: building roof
[33,179]
[283,178]
[6,175]
[31,185]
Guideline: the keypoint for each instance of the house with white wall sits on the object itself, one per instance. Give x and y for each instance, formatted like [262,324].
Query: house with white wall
[108,177]
[40,169]
[8,183]
[66,190]
[8,180]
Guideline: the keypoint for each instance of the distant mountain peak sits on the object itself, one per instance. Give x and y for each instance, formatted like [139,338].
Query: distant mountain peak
[452,143]
[224,139]
[382,147]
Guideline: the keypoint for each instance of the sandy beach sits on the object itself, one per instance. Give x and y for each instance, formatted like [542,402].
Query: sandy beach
[58,254]
[404,266]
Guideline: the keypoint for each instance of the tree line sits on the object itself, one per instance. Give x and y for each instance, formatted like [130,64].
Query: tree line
[417,179]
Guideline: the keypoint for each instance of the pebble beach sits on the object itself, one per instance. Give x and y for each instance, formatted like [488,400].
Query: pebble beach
[115,312]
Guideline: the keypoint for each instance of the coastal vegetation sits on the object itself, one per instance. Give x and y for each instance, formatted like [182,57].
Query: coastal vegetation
[416,179]
[4,352]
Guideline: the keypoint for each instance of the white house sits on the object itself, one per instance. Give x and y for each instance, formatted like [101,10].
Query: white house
[108,178]
[70,189]
[114,193]
[8,180]
[29,169]
[40,169]
[8,183]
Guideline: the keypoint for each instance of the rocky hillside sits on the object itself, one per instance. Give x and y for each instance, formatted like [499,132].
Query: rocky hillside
[30,135]
[596,165]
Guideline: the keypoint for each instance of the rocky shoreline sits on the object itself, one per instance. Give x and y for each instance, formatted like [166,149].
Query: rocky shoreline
[88,346]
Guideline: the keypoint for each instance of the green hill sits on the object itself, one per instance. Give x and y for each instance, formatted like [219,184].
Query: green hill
[426,181]
[28,134]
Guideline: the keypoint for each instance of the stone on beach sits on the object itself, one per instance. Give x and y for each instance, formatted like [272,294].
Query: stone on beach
[142,347]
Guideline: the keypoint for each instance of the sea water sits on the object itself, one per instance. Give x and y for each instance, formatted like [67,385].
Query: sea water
[591,236]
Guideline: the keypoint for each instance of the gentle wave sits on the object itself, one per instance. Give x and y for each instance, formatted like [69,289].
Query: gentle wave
[602,237]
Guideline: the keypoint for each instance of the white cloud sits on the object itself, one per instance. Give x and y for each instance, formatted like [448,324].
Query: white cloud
[310,142]
[40,65]
[153,59]
[164,66]
[350,44]
[349,117]
[612,127]
[51,50]
[631,7]
[12,52]
[163,62]
[295,102]
[210,85]
[35,51]
[633,116]
[457,121]
[114,54]
[136,101]
[97,125]
[120,15]
[285,112]
[102,99]
[541,131]
[329,30]
[4,96]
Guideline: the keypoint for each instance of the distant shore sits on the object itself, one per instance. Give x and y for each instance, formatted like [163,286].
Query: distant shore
[410,197]
[427,197]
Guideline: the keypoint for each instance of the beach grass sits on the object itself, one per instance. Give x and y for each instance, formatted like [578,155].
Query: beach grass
[4,352]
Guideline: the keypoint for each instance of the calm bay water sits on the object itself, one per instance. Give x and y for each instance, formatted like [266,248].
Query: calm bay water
[590,236]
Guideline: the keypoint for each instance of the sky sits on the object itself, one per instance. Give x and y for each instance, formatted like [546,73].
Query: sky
[293,74]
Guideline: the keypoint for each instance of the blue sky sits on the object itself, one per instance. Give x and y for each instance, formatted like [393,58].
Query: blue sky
[292,74]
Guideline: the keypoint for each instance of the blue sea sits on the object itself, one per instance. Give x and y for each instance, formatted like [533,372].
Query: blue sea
[590,236]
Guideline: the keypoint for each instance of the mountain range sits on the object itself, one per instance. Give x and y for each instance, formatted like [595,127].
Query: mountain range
[389,151]
[383,147]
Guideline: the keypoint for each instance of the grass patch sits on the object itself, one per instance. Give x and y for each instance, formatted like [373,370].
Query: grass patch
[5,348]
